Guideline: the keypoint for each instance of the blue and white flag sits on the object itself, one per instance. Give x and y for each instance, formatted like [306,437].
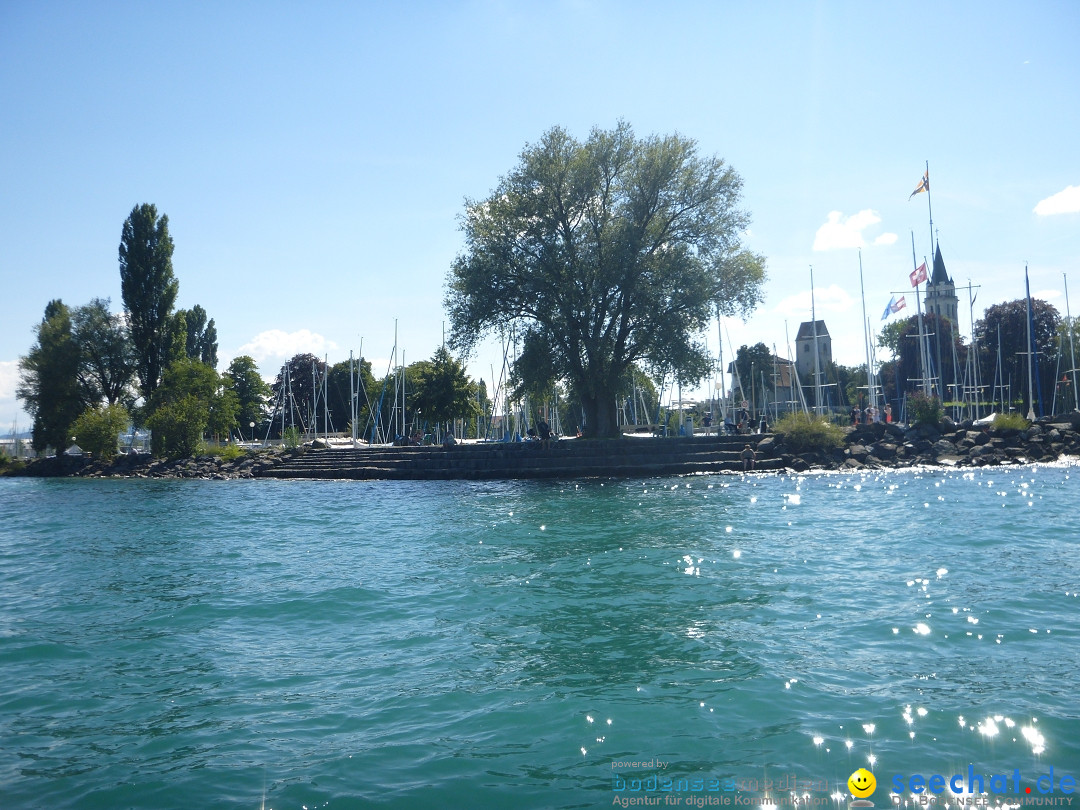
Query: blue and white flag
[894,306]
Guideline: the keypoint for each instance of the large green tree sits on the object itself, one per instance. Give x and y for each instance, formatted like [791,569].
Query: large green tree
[149,291]
[338,390]
[98,429]
[443,391]
[755,367]
[107,360]
[49,379]
[606,253]
[1011,319]
[901,339]
[299,386]
[190,401]
[252,392]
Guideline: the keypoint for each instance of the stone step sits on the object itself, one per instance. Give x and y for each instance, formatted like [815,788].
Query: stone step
[572,459]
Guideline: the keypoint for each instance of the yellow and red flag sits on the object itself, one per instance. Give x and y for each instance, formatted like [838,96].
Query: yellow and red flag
[924,184]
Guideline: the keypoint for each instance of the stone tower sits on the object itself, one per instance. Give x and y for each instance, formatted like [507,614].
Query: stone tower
[804,351]
[941,297]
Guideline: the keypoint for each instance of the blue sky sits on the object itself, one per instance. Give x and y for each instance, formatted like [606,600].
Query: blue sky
[314,159]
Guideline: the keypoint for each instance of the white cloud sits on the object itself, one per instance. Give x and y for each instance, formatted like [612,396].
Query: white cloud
[828,299]
[9,378]
[1066,201]
[840,232]
[275,343]
[886,239]
[11,412]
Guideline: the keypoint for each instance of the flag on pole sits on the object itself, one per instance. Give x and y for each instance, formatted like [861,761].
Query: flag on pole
[894,305]
[918,275]
[924,184]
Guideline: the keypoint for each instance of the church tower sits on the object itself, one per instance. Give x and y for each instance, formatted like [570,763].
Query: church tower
[941,297]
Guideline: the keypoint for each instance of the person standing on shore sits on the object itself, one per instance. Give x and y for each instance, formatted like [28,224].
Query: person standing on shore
[749,458]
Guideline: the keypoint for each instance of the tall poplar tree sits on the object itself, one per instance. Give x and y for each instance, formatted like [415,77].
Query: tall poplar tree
[201,341]
[149,291]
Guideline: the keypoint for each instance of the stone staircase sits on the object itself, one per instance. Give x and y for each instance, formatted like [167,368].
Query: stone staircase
[574,458]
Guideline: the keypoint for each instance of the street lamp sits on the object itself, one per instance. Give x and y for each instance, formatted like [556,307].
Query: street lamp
[252,426]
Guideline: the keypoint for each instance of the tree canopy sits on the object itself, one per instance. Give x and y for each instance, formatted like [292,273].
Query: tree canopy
[606,253]
[443,391]
[1011,318]
[149,291]
[298,386]
[48,380]
[201,336]
[190,401]
[107,360]
[755,367]
[244,380]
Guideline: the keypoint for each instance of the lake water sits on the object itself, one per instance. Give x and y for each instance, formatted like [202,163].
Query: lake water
[696,640]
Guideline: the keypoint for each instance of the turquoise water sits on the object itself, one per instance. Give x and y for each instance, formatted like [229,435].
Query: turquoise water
[523,644]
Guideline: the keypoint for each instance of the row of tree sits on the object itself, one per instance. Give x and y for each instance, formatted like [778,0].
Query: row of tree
[608,257]
[91,374]
[90,371]
[311,395]
[999,349]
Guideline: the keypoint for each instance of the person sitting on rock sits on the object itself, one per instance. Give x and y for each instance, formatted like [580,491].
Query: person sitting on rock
[543,429]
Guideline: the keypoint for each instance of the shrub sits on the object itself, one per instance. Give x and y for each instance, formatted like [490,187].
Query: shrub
[178,427]
[809,432]
[1010,421]
[97,430]
[924,410]
[291,437]
[229,452]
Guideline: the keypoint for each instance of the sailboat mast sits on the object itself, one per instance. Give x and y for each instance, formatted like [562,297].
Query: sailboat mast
[866,339]
[929,207]
[817,362]
[974,351]
[723,386]
[1000,370]
[1030,355]
[1072,349]
[923,362]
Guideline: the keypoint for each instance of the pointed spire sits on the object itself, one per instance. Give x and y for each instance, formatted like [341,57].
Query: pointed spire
[939,275]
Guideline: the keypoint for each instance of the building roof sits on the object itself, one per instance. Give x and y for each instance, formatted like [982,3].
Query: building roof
[806,330]
[939,276]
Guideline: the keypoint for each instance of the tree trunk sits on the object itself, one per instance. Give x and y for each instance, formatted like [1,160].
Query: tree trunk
[601,418]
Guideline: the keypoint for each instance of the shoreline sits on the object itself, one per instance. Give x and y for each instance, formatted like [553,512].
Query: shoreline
[865,447]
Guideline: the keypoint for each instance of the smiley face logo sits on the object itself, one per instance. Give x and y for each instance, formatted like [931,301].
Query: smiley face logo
[861,783]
